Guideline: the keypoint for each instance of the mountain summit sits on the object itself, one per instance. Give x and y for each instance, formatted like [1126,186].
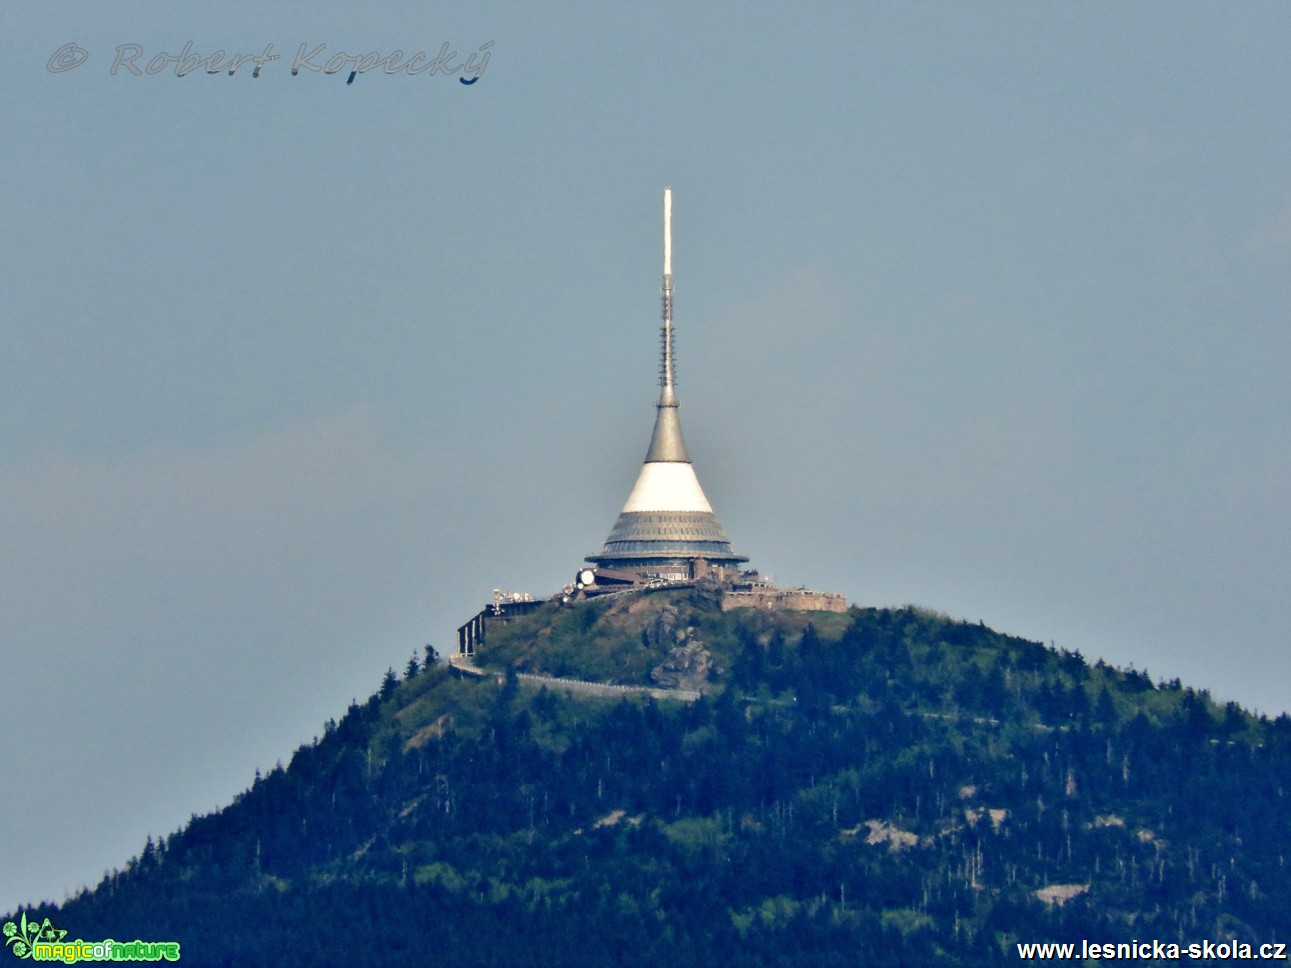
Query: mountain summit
[649,779]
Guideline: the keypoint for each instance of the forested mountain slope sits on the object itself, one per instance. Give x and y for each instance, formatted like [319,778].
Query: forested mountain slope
[879,787]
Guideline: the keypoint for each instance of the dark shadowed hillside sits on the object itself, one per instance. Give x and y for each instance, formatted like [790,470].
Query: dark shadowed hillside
[880,787]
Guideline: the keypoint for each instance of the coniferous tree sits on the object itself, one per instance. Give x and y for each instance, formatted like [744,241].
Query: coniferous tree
[388,684]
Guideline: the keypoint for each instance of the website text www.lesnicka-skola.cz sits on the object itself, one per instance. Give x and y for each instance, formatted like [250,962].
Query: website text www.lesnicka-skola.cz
[1230,950]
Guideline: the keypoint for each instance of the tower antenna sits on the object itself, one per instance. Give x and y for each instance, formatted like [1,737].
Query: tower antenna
[668,393]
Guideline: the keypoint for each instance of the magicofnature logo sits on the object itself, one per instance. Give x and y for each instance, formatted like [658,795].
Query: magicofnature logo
[41,941]
[22,936]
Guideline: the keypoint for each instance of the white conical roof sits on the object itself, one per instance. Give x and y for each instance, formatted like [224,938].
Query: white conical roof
[667,487]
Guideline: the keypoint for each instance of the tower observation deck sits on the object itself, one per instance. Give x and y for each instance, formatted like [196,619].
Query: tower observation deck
[667,528]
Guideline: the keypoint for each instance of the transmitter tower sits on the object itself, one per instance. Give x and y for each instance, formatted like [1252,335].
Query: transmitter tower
[667,528]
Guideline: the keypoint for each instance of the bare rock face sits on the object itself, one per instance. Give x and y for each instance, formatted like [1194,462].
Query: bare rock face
[686,667]
[663,630]
[687,663]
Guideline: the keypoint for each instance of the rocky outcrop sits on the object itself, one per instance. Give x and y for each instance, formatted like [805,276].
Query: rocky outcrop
[687,663]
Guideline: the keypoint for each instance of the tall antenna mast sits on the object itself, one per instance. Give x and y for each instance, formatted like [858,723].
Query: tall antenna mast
[668,394]
[666,443]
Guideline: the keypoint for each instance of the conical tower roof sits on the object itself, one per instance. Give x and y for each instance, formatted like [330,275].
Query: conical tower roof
[667,524]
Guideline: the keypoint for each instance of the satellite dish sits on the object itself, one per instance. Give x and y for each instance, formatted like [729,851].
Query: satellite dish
[587,577]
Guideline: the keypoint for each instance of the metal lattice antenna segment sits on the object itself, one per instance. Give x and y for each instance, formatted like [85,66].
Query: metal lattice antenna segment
[668,393]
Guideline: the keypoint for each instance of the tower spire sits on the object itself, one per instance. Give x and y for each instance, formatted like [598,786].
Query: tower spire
[666,443]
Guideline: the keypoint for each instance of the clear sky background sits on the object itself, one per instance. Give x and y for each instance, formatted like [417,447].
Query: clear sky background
[979,306]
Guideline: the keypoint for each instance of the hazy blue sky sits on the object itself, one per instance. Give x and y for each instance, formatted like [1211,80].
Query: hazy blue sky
[979,306]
